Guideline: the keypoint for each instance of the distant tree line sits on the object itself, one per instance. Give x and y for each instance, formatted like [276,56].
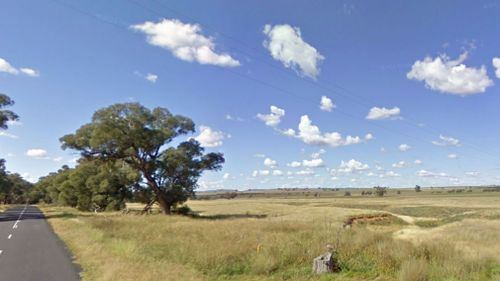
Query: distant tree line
[13,188]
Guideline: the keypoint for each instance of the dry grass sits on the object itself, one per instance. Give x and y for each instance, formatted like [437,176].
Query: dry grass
[276,239]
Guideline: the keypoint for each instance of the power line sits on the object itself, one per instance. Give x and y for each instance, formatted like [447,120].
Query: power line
[316,84]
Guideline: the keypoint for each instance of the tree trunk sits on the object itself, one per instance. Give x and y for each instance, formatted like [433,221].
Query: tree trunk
[164,205]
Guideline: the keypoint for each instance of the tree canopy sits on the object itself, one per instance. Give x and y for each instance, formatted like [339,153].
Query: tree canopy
[6,115]
[139,137]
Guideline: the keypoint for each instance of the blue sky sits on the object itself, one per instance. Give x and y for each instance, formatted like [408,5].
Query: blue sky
[410,90]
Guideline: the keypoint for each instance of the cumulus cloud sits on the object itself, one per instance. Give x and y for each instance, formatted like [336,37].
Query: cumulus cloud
[400,164]
[305,173]
[277,173]
[472,174]
[450,76]
[379,113]
[326,104]
[8,135]
[294,164]
[404,147]
[496,64]
[185,41]
[314,163]
[311,134]
[257,173]
[446,141]
[417,162]
[352,166]
[268,162]
[274,118]
[151,77]
[391,174]
[452,156]
[37,153]
[6,67]
[318,154]
[226,176]
[286,45]
[30,72]
[209,137]
[429,174]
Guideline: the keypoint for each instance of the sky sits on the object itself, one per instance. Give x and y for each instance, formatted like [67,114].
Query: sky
[309,94]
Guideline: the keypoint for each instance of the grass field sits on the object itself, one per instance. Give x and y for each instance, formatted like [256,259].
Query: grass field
[427,237]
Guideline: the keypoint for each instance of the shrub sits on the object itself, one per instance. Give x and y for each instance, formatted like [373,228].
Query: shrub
[380,190]
[347,193]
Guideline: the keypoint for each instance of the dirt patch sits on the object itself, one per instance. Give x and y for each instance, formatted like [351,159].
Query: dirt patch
[377,219]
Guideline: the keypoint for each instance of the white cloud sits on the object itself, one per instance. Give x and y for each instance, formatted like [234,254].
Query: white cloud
[233,118]
[286,45]
[8,135]
[404,147]
[318,154]
[29,177]
[368,136]
[391,174]
[496,64]
[428,174]
[314,163]
[305,173]
[274,118]
[311,134]
[37,153]
[352,166]
[30,72]
[400,164]
[151,77]
[417,162]
[6,67]
[259,155]
[11,155]
[57,159]
[379,113]
[209,138]
[277,173]
[452,156]
[472,174]
[446,141]
[226,176]
[326,104]
[268,162]
[450,76]
[185,41]
[257,173]
[289,132]
[294,164]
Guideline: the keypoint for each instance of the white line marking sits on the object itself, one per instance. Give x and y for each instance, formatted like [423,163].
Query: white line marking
[20,215]
[10,236]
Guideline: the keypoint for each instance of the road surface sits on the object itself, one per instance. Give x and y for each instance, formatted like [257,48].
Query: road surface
[30,250]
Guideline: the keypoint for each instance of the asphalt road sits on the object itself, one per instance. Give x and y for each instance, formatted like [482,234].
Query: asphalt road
[30,250]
